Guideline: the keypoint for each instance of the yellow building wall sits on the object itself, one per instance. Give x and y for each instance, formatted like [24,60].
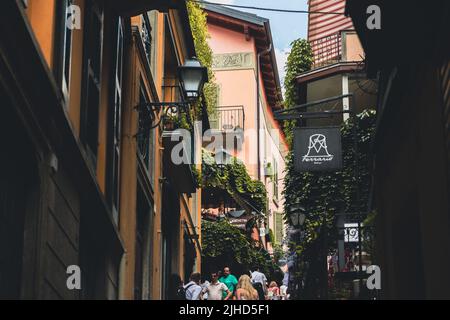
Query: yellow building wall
[156,290]
[41,15]
[127,219]
[129,207]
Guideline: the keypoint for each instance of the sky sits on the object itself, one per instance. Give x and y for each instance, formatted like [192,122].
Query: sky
[286,27]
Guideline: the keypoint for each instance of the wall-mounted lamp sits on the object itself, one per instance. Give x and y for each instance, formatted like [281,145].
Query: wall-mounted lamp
[192,77]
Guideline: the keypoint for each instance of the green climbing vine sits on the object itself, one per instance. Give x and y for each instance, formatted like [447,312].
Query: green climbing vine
[225,245]
[326,194]
[197,19]
[234,178]
[299,60]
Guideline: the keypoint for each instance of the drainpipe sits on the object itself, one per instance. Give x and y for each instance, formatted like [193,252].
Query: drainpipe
[258,119]
[258,115]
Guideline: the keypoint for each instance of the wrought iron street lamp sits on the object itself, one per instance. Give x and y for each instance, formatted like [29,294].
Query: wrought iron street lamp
[297,215]
[192,77]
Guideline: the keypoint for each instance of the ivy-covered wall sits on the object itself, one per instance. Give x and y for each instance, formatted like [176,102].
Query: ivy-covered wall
[333,192]
[197,19]
[325,195]
[234,178]
[225,245]
[300,60]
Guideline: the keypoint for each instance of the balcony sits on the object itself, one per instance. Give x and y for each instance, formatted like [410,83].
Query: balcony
[327,50]
[229,119]
[178,141]
[341,47]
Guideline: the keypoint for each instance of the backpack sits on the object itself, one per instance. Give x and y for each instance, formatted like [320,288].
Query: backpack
[181,292]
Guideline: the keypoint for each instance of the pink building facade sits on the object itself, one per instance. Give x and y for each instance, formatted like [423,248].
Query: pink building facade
[244,64]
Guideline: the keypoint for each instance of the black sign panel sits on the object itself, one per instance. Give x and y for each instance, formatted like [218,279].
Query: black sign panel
[317,149]
[240,222]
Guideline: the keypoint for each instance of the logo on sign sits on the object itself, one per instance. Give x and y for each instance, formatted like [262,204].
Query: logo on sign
[318,150]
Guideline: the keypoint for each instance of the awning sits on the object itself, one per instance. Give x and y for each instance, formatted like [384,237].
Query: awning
[237,213]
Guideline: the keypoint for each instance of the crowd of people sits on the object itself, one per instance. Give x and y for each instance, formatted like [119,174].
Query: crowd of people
[223,285]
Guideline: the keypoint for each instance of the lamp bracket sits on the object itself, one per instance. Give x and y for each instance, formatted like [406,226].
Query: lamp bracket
[153,114]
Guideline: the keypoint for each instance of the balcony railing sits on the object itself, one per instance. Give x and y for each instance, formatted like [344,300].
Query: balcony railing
[230,118]
[174,117]
[327,50]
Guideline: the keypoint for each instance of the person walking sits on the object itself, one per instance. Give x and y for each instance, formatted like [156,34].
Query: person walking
[258,276]
[229,280]
[273,292]
[216,290]
[259,281]
[193,289]
[245,289]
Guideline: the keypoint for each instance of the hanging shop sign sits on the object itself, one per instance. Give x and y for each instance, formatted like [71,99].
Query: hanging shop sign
[351,233]
[240,222]
[317,149]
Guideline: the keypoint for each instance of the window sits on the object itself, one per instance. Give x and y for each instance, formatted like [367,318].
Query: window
[146,140]
[279,225]
[147,36]
[115,125]
[275,180]
[153,17]
[92,73]
[63,46]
